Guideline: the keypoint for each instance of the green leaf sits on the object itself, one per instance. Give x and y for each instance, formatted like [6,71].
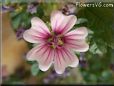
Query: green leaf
[16,22]
[34,69]
[16,19]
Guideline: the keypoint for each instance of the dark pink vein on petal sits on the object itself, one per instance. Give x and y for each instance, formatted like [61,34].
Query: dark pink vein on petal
[41,47]
[58,56]
[73,35]
[62,54]
[43,29]
[42,54]
[66,51]
[48,56]
[75,45]
[66,26]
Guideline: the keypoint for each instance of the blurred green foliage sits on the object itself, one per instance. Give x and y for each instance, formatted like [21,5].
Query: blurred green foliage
[100,55]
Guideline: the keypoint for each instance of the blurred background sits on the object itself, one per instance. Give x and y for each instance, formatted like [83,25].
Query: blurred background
[96,65]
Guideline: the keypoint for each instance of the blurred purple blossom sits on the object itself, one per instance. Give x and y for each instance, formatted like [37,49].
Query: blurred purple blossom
[19,33]
[32,8]
[53,76]
[7,8]
[82,61]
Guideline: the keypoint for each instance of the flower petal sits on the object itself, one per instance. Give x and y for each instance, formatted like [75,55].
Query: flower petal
[39,25]
[80,46]
[46,59]
[69,57]
[37,32]
[76,39]
[32,54]
[61,22]
[63,58]
[59,63]
[43,54]
[33,36]
[79,33]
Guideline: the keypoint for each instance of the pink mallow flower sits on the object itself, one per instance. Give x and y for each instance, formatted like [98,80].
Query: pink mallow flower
[56,45]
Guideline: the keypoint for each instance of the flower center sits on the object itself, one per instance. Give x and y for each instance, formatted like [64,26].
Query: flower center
[55,40]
